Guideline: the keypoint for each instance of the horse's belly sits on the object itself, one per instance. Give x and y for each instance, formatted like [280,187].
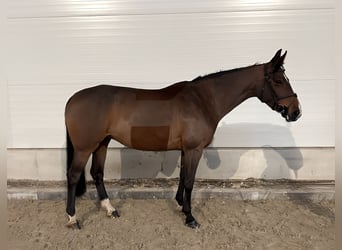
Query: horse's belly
[150,137]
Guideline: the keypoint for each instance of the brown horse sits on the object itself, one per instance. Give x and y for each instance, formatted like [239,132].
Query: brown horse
[183,116]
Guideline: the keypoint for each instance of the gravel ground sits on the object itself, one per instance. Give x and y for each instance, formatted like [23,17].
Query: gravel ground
[158,224]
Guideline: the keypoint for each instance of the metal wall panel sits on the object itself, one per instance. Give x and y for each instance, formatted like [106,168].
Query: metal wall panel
[63,8]
[58,47]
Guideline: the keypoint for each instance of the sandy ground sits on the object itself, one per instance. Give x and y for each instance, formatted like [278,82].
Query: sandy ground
[158,224]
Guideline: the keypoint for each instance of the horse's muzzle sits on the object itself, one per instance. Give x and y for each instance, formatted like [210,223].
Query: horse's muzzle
[294,116]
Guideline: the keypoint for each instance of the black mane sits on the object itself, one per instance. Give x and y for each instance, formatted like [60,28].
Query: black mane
[221,73]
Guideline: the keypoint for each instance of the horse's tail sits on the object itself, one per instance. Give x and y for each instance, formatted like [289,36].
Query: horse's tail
[81,185]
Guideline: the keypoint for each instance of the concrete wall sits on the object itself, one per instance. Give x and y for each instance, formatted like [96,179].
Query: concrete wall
[216,163]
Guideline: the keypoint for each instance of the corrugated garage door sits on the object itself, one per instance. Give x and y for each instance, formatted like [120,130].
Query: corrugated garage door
[59,47]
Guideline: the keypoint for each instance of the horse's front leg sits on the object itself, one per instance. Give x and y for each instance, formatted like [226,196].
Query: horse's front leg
[97,172]
[180,191]
[191,159]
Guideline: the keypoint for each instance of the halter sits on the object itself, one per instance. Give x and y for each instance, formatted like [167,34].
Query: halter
[276,98]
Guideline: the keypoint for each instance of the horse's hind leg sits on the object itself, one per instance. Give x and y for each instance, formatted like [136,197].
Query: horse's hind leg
[77,166]
[97,172]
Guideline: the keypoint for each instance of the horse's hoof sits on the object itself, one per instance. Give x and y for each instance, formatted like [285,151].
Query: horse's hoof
[74,224]
[193,224]
[78,225]
[115,214]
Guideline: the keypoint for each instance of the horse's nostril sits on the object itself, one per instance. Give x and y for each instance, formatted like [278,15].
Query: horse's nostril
[296,114]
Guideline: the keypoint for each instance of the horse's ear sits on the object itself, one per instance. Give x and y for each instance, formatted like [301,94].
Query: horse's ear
[282,58]
[278,60]
[276,57]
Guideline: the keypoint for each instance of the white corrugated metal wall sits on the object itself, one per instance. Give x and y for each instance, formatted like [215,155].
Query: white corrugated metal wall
[59,47]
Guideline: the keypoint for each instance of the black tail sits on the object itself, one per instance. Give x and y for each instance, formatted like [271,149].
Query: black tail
[81,185]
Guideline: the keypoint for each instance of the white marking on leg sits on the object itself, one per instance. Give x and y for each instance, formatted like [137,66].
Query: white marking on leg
[109,208]
[72,220]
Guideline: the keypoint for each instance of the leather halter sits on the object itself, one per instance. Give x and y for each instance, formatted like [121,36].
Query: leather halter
[276,98]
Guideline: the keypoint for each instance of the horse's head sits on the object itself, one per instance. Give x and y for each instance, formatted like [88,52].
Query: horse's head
[276,90]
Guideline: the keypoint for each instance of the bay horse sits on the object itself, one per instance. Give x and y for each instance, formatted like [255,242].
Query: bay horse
[182,116]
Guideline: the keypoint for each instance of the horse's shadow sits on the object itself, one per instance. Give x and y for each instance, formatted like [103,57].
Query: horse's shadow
[147,164]
[281,157]
[279,162]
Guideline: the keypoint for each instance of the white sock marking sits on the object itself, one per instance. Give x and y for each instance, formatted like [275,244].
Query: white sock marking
[106,205]
[72,220]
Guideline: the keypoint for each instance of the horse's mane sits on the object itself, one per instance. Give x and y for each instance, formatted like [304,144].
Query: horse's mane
[222,72]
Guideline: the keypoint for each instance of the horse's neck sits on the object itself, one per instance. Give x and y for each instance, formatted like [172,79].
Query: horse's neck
[231,88]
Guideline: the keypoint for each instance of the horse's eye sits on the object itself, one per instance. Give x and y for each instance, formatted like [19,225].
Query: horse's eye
[278,82]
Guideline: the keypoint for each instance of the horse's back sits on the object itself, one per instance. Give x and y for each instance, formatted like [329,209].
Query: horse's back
[109,93]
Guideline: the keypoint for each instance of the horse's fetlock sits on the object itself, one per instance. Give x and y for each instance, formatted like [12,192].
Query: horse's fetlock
[186,211]
[179,199]
[105,204]
[73,221]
